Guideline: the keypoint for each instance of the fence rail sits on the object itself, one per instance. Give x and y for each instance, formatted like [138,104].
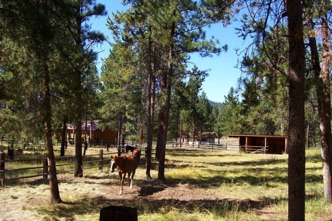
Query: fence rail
[198,145]
[42,171]
[90,161]
[253,149]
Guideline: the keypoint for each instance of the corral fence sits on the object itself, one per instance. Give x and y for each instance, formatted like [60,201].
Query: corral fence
[37,166]
[254,149]
[199,145]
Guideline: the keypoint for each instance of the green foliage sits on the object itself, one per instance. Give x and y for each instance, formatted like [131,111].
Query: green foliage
[21,69]
[195,109]
[229,118]
[121,89]
[217,127]
[204,108]
[159,36]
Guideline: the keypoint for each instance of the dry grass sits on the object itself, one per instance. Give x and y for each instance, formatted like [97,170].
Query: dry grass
[201,185]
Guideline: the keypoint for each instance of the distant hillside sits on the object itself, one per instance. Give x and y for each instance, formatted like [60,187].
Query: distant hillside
[213,104]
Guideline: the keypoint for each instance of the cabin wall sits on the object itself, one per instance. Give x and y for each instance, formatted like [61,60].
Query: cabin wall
[97,136]
[105,136]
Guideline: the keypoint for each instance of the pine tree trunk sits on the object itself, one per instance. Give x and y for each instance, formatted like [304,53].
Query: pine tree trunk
[63,136]
[296,148]
[78,93]
[124,122]
[52,177]
[78,128]
[194,136]
[326,113]
[163,137]
[85,133]
[164,116]
[120,135]
[149,142]
[78,150]
[150,111]
[160,132]
[180,134]
[323,101]
[141,136]
[160,145]
[166,87]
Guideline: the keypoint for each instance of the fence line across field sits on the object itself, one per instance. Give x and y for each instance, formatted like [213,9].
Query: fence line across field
[4,172]
[98,159]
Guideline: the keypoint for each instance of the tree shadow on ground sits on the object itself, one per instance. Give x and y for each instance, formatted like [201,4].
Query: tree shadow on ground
[217,180]
[193,152]
[203,205]
[149,187]
[145,205]
[251,163]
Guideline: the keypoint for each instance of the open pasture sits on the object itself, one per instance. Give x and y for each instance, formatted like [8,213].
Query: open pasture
[201,184]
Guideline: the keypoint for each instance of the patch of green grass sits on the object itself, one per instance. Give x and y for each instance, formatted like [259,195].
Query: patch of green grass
[318,209]
[226,212]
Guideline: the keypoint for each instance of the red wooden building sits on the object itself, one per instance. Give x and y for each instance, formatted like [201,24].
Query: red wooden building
[94,133]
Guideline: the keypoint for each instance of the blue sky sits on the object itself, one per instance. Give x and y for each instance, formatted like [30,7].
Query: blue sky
[221,69]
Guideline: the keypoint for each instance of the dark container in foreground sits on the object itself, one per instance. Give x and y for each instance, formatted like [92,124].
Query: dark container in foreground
[118,213]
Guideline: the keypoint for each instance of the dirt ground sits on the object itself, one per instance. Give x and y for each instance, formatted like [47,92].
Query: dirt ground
[87,195]
[91,193]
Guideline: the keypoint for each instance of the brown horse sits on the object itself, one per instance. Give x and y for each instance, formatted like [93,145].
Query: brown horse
[126,165]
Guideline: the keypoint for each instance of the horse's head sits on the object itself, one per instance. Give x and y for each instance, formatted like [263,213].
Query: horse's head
[113,163]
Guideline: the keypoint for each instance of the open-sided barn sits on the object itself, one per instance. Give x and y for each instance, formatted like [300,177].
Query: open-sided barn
[272,144]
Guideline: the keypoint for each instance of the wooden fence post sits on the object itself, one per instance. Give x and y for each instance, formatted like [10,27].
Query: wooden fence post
[146,152]
[2,168]
[45,166]
[101,159]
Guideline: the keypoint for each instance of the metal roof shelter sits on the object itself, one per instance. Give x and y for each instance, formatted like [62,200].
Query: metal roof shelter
[272,144]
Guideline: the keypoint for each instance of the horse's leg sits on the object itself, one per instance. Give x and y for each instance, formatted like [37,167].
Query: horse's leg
[129,180]
[132,178]
[121,175]
[120,179]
